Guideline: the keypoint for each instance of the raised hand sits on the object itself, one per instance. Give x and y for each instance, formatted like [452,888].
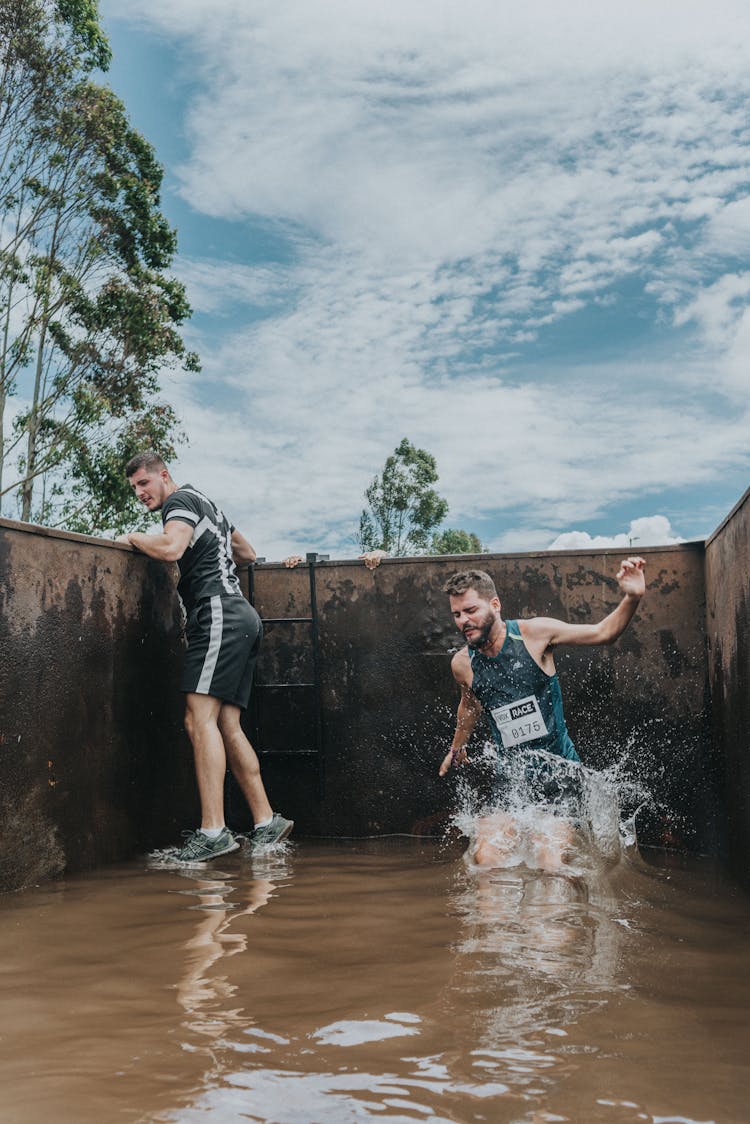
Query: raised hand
[631,577]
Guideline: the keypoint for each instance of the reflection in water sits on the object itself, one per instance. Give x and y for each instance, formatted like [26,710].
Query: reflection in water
[540,948]
[349,1032]
[537,953]
[500,1029]
[205,995]
[391,981]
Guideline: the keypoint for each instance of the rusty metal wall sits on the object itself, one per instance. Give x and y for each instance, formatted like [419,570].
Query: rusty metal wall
[94,765]
[388,699]
[728,631]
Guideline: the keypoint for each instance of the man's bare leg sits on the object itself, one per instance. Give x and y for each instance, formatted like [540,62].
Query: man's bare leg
[552,844]
[243,761]
[496,840]
[201,723]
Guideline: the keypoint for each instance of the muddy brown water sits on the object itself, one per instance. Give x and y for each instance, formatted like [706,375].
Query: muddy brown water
[384,980]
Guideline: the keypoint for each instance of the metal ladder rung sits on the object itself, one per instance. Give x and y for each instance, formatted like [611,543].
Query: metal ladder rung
[286,620]
[287,753]
[312,621]
[257,685]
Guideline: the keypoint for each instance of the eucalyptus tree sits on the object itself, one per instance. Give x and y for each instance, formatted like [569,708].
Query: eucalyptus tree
[41,46]
[402,506]
[403,509]
[90,313]
[453,540]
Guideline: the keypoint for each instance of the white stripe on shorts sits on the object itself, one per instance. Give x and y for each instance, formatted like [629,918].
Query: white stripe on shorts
[214,645]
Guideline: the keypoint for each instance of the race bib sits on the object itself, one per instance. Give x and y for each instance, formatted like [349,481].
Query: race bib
[520,721]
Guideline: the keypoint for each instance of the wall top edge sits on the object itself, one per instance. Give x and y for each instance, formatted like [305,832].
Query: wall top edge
[467,559]
[740,503]
[691,546]
[55,533]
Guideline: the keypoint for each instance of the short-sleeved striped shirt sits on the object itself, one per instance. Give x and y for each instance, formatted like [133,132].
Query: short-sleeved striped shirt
[206,568]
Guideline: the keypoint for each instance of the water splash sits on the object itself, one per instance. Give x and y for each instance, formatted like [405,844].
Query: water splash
[536,797]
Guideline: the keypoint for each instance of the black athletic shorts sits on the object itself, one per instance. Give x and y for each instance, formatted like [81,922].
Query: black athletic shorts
[539,778]
[223,636]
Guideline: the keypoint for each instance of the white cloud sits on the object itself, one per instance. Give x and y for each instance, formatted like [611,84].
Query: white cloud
[728,231]
[722,310]
[221,288]
[718,308]
[438,131]
[308,427]
[516,539]
[649,530]
[544,156]
[464,177]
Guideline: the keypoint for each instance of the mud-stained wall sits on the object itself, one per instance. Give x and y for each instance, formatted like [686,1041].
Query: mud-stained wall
[728,628]
[93,761]
[95,766]
[388,699]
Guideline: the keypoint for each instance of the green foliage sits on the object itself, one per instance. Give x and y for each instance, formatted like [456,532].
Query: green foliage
[82,19]
[96,492]
[402,506]
[89,316]
[451,541]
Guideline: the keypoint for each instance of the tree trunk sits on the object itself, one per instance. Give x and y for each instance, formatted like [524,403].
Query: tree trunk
[27,487]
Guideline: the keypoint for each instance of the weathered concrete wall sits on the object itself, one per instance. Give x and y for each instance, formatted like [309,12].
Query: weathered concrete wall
[728,628]
[388,698]
[95,766]
[93,762]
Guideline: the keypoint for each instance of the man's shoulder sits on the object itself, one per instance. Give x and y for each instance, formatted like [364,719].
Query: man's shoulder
[186,503]
[536,626]
[461,664]
[540,634]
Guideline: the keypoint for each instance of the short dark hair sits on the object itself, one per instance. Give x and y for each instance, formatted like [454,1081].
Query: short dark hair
[479,580]
[149,460]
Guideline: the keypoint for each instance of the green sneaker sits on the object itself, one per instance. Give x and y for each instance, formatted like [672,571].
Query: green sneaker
[273,832]
[198,848]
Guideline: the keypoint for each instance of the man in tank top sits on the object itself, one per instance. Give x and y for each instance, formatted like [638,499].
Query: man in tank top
[223,634]
[507,671]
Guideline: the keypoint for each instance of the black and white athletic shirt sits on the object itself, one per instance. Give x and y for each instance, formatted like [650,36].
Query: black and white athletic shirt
[206,568]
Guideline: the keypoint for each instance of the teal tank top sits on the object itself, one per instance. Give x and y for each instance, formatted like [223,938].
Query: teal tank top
[523,703]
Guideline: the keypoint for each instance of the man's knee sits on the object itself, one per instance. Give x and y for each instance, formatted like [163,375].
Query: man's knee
[189,723]
[229,721]
[201,713]
[485,854]
[495,840]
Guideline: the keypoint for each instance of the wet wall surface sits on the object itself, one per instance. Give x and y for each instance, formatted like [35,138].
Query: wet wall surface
[728,629]
[387,697]
[93,761]
[95,766]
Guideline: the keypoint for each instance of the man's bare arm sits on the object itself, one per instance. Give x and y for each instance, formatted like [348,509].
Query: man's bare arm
[546,632]
[469,712]
[169,546]
[242,551]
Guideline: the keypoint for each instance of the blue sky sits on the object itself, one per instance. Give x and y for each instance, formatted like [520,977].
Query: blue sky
[516,234]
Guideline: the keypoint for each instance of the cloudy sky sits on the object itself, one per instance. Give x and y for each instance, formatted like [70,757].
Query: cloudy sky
[517,234]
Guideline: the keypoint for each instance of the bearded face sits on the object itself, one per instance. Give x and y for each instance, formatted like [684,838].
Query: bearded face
[475,617]
[478,627]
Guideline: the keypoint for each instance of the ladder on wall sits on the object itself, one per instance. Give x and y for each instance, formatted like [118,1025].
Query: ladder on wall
[261,690]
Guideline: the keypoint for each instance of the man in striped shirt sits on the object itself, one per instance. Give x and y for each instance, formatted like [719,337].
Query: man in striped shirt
[224,633]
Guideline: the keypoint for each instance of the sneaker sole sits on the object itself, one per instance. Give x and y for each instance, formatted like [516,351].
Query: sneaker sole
[174,861]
